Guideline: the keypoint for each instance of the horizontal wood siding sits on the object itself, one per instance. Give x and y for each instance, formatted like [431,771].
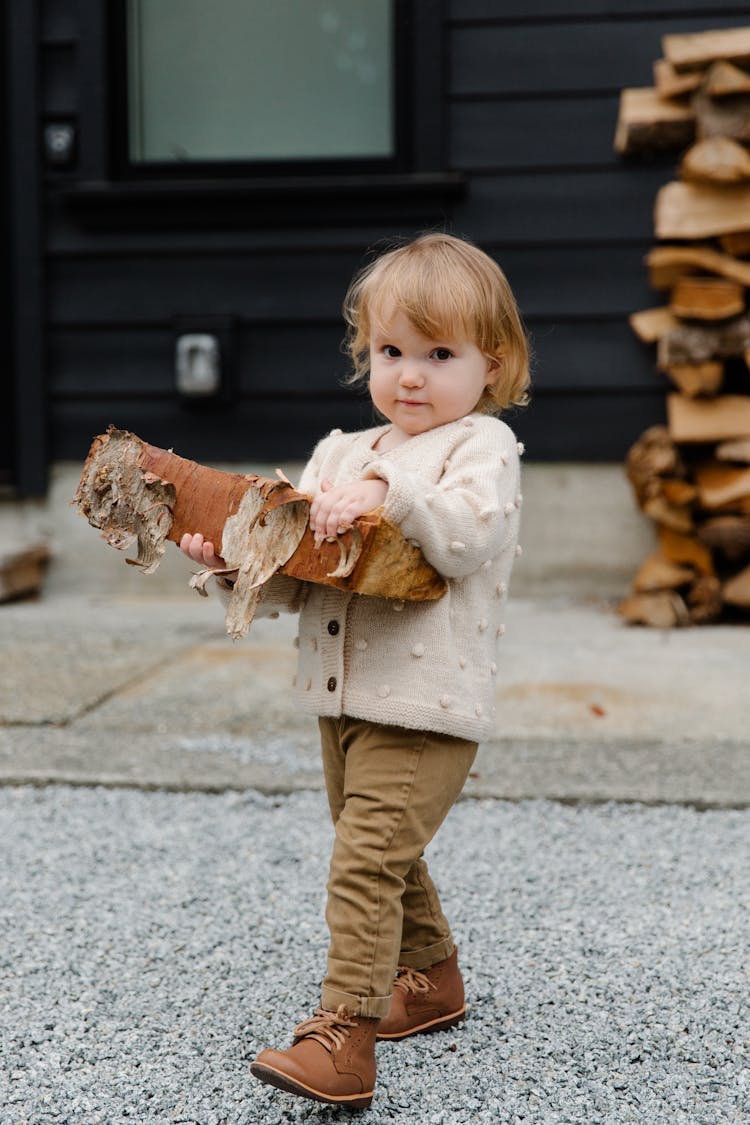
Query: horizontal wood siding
[531,104]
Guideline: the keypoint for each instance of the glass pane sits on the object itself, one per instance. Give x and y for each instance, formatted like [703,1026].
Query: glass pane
[260,79]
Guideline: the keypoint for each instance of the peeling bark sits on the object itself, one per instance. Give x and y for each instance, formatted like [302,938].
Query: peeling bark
[135,492]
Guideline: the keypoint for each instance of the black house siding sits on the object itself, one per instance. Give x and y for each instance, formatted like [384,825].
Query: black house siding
[529,91]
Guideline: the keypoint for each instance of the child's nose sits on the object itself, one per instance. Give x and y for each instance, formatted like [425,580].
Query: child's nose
[412,374]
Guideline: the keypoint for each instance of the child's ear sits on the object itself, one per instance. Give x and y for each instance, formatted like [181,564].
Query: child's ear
[494,367]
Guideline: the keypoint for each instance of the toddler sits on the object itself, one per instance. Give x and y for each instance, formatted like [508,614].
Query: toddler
[403,691]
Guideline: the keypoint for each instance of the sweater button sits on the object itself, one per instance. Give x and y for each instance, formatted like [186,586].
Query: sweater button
[331,685]
[333,628]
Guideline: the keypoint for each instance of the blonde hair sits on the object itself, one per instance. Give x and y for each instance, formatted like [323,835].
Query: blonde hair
[446,287]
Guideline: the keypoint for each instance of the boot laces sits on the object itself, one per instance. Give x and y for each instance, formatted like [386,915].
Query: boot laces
[412,981]
[327,1028]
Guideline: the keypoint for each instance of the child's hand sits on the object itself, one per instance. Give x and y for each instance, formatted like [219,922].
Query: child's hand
[200,550]
[335,509]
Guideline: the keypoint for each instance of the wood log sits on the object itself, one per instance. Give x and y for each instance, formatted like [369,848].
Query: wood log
[685,550]
[727,535]
[704,600]
[729,117]
[694,379]
[737,243]
[720,485]
[650,459]
[667,264]
[697,50]
[650,325]
[22,570]
[692,343]
[658,573]
[133,491]
[707,420]
[723,80]
[736,590]
[717,160]
[671,84]
[648,123]
[663,609]
[733,450]
[686,210]
[707,298]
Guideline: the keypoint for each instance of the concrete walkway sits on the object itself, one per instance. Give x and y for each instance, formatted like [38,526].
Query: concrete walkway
[150,693]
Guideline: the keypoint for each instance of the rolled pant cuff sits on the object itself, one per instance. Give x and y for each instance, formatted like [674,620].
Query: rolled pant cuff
[429,956]
[373,1007]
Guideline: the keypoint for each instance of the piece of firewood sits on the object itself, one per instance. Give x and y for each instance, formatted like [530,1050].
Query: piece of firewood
[737,243]
[723,80]
[662,609]
[736,590]
[719,485]
[696,50]
[658,573]
[667,264]
[695,379]
[717,160]
[22,570]
[728,535]
[685,550]
[133,491]
[733,450]
[648,123]
[685,210]
[704,600]
[693,343]
[728,117]
[711,419]
[707,298]
[670,84]
[650,325]
[651,458]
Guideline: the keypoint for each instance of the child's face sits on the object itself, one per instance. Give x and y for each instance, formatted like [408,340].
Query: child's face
[418,383]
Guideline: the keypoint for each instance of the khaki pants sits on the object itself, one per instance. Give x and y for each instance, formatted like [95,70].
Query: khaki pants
[389,790]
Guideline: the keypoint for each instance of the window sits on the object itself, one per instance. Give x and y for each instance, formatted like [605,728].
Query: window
[255,85]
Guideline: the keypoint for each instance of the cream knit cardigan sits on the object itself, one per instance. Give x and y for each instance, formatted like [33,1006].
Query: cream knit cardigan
[455,491]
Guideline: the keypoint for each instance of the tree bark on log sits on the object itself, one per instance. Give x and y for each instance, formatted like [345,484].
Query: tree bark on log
[136,492]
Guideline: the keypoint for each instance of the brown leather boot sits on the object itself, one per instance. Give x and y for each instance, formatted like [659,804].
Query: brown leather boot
[332,1059]
[430,1000]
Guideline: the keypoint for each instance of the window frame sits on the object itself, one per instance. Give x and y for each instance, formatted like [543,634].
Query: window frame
[124,169]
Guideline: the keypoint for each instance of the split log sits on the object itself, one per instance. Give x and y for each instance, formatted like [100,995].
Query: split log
[133,491]
[685,550]
[736,590]
[658,573]
[729,117]
[667,264]
[720,485]
[727,535]
[695,379]
[671,84]
[705,420]
[686,210]
[705,600]
[697,50]
[647,122]
[733,450]
[663,609]
[651,458]
[650,325]
[737,243]
[716,160]
[707,298]
[724,79]
[692,343]
[22,571]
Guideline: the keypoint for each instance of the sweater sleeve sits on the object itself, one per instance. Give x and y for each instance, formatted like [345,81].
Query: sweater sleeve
[469,515]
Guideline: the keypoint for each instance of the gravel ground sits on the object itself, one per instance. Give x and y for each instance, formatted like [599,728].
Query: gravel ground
[151,944]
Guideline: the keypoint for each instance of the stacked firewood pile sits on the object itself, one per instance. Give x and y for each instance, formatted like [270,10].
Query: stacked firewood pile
[692,476]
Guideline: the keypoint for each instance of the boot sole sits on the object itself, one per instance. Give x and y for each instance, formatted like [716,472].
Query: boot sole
[440,1024]
[290,1086]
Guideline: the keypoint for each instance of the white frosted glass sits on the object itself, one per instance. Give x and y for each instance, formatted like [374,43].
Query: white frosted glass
[260,79]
